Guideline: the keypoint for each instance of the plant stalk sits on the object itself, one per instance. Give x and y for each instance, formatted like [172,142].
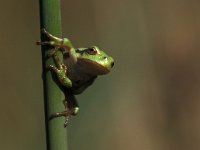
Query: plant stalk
[50,19]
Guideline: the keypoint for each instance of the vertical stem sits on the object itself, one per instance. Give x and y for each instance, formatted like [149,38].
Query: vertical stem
[50,19]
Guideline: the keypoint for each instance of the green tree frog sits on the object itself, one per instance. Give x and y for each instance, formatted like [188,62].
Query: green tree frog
[79,69]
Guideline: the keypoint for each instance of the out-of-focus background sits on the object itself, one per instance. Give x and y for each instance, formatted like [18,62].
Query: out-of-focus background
[149,101]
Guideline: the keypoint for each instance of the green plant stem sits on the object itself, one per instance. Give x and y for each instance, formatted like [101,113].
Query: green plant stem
[50,19]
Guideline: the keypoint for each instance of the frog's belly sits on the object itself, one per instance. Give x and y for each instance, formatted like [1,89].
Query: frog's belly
[79,86]
[80,79]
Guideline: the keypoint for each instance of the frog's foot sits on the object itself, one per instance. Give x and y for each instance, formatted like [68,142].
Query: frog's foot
[70,110]
[61,74]
[55,41]
[52,43]
[60,70]
[67,114]
[53,51]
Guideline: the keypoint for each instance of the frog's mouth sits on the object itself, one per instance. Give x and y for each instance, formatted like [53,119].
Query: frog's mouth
[95,68]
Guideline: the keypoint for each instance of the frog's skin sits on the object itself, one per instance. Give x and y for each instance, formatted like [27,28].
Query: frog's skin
[79,69]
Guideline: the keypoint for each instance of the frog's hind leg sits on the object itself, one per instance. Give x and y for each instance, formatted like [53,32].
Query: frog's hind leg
[71,109]
[65,114]
[61,71]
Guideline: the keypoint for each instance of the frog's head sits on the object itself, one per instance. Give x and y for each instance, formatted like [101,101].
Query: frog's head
[94,61]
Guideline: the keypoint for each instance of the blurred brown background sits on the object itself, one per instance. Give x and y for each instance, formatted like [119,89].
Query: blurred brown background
[150,100]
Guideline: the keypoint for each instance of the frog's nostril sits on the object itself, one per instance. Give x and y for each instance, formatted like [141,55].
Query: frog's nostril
[112,64]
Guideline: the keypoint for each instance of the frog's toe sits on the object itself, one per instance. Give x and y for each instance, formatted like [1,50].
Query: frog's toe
[44,31]
[41,43]
[53,68]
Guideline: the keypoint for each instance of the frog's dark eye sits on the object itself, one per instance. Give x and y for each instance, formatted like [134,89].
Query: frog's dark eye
[92,51]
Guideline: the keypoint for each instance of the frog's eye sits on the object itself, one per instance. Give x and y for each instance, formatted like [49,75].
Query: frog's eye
[92,51]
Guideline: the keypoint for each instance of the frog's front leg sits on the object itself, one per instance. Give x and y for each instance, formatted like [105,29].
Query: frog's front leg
[62,43]
[60,70]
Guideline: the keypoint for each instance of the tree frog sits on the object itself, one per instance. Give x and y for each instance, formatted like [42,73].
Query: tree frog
[79,69]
